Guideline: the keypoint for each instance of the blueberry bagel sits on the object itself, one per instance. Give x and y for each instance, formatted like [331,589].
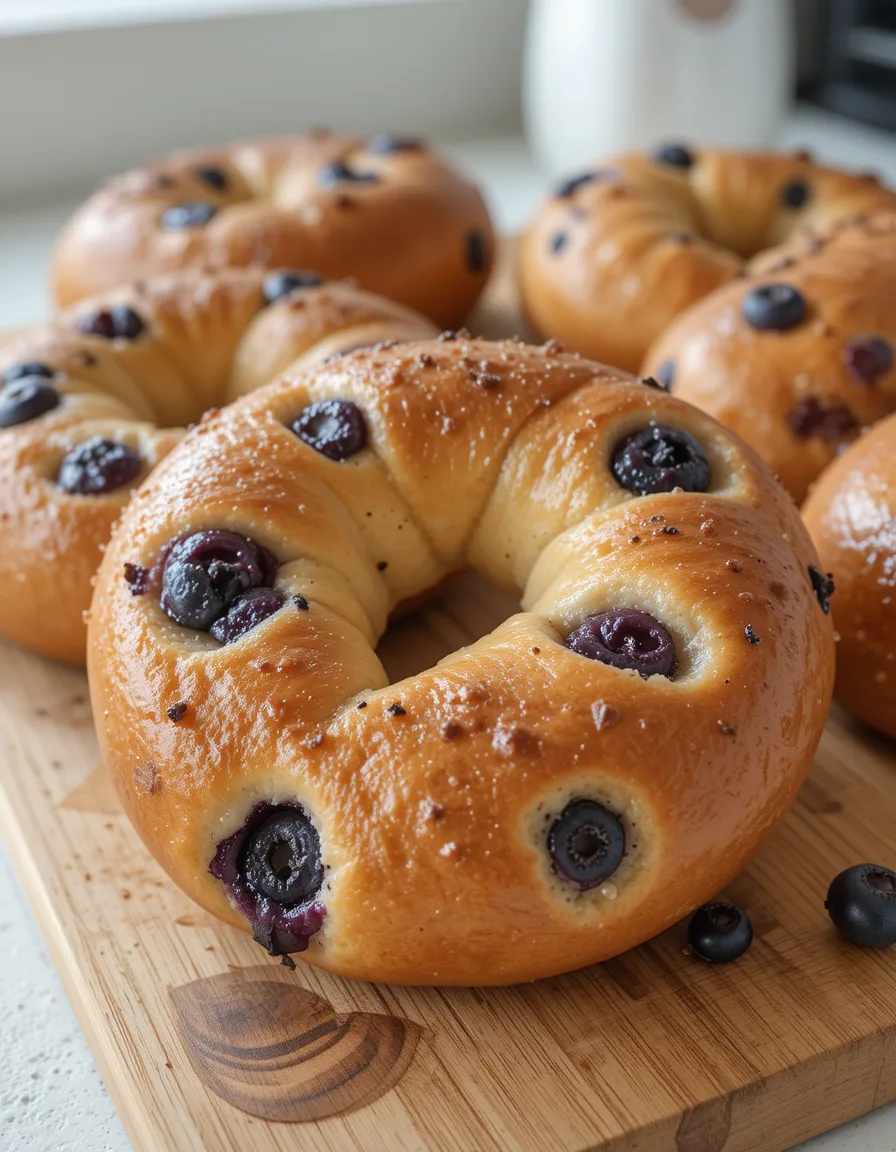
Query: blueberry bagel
[851,516]
[90,402]
[386,211]
[798,356]
[621,249]
[553,794]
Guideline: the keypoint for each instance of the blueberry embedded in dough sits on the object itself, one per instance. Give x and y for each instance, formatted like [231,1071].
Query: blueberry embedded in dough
[774,307]
[214,176]
[28,368]
[190,214]
[658,458]
[249,609]
[25,398]
[384,144]
[335,428]
[868,358]
[117,323]
[665,373]
[206,573]
[340,172]
[586,843]
[477,257]
[626,639]
[823,587]
[673,155]
[98,466]
[812,417]
[273,872]
[795,194]
[558,242]
[280,285]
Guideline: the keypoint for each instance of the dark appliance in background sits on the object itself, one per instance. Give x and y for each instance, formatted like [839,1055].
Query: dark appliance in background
[848,58]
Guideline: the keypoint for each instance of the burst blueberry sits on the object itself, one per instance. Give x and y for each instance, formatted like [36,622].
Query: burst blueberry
[659,458]
[335,428]
[117,323]
[627,639]
[205,573]
[249,609]
[97,466]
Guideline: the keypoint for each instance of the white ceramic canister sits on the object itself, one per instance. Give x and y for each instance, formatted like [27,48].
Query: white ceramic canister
[605,75]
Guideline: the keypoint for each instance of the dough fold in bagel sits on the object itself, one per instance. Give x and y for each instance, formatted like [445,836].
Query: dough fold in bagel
[555,793]
[797,357]
[90,402]
[386,211]
[620,250]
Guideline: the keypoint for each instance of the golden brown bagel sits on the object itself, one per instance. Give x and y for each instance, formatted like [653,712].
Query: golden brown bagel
[186,343]
[434,800]
[799,390]
[617,253]
[851,515]
[385,211]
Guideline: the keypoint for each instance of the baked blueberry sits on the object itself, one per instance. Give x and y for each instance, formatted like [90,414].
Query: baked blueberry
[384,143]
[861,902]
[118,323]
[475,249]
[27,368]
[205,573]
[658,458]
[774,307]
[273,872]
[720,933]
[249,609]
[25,398]
[812,417]
[624,638]
[190,214]
[335,428]
[795,194]
[214,176]
[572,184]
[868,358]
[98,466]
[675,155]
[339,172]
[665,373]
[822,586]
[279,285]
[558,242]
[586,843]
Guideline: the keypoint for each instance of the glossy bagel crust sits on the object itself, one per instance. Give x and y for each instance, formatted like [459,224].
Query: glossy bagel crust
[432,796]
[206,338]
[851,515]
[615,255]
[801,395]
[387,212]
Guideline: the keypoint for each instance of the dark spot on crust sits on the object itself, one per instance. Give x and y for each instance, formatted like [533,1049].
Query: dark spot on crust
[604,715]
[424,360]
[176,712]
[822,586]
[451,729]
[137,578]
[513,740]
[477,257]
[669,530]
[868,358]
[301,603]
[558,242]
[397,710]
[795,194]
[484,379]
[382,566]
[362,704]
[751,635]
[733,566]
[146,777]
[727,729]
[652,382]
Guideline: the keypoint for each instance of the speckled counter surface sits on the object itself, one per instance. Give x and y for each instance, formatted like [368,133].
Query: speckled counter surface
[51,1096]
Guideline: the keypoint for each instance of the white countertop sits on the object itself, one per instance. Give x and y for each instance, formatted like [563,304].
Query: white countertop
[51,1096]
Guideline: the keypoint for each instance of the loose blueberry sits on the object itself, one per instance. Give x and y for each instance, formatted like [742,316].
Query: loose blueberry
[675,155]
[213,176]
[273,872]
[586,843]
[658,459]
[205,573]
[624,638]
[868,358]
[861,902]
[249,609]
[28,368]
[25,399]
[795,194]
[476,253]
[665,373]
[774,307]
[340,171]
[190,214]
[279,285]
[811,417]
[118,323]
[383,144]
[720,933]
[335,428]
[98,466]
[823,587]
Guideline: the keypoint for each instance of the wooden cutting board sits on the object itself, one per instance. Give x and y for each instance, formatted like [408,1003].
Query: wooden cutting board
[207,1044]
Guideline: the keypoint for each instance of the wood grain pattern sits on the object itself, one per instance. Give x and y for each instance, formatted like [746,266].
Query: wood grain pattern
[652,1052]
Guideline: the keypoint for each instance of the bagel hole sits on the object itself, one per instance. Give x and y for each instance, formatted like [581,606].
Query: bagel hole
[455,613]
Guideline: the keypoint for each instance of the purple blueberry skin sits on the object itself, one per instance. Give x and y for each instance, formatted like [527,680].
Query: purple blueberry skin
[624,638]
[206,572]
[249,609]
[279,927]
[335,428]
[98,466]
[658,459]
[25,398]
